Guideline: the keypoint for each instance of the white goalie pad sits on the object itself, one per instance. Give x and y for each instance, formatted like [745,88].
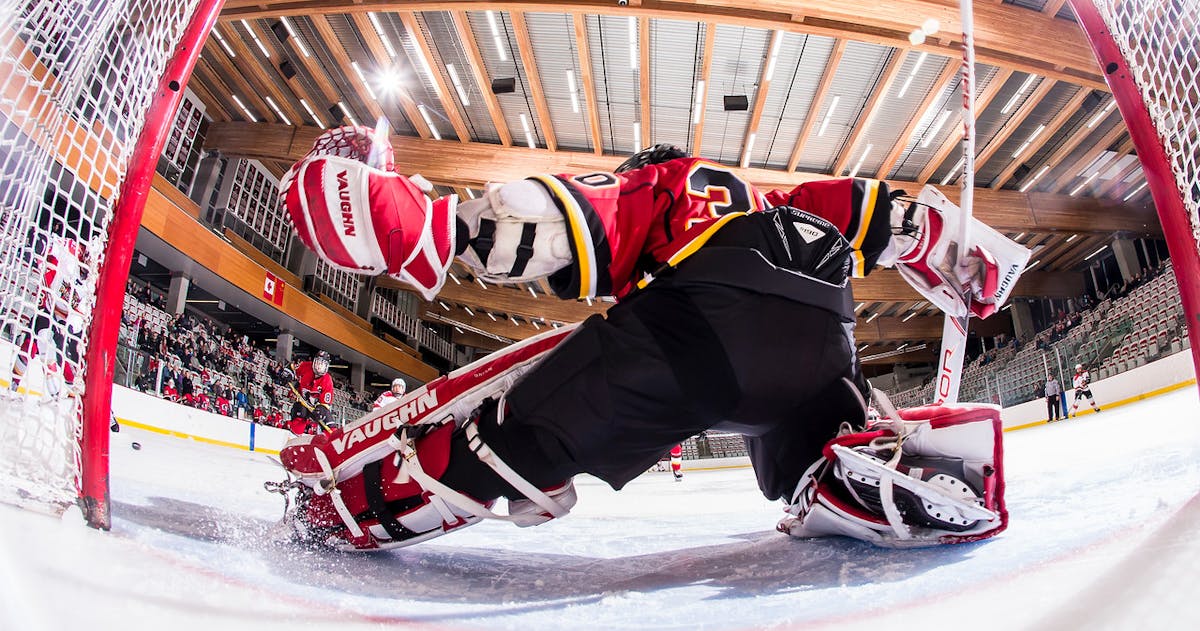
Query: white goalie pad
[517,233]
[320,461]
[933,476]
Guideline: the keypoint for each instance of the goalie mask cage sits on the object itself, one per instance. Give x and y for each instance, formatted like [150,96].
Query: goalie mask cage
[88,91]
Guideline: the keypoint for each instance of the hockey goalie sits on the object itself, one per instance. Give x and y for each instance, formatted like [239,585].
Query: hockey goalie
[734,313]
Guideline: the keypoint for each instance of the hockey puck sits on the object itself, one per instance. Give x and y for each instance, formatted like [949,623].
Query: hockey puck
[136,446]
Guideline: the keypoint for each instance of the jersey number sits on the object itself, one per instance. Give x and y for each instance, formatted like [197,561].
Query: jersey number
[723,191]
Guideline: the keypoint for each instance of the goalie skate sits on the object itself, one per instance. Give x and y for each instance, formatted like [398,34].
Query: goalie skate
[944,499]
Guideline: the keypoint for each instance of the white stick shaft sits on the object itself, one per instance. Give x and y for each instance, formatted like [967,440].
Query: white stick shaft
[967,200]
[954,347]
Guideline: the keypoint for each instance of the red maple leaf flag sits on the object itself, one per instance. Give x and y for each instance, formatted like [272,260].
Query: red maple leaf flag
[273,289]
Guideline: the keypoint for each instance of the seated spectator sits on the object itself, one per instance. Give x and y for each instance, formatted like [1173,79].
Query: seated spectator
[169,392]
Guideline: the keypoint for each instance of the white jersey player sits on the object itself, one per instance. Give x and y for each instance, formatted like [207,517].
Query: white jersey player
[1083,388]
[391,396]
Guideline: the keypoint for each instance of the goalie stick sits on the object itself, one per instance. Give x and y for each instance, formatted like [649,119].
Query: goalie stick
[954,328]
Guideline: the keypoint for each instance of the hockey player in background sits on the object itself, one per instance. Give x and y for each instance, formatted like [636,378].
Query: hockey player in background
[677,462]
[734,312]
[313,389]
[1082,382]
[391,395]
[58,323]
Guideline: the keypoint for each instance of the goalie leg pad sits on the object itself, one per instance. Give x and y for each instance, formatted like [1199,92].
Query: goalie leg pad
[934,476]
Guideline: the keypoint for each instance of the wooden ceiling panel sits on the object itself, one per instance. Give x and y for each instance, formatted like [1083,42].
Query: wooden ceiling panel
[1003,32]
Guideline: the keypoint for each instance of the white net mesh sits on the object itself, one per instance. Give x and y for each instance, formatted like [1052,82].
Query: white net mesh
[1160,40]
[76,80]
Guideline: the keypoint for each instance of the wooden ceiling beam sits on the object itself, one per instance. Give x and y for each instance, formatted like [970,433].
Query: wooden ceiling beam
[1111,185]
[1066,178]
[201,84]
[1003,32]
[814,109]
[1014,122]
[589,84]
[340,57]
[251,64]
[381,59]
[1052,7]
[1073,254]
[760,96]
[299,89]
[317,73]
[462,28]
[529,64]
[425,61]
[948,74]
[235,82]
[710,34]
[869,111]
[1066,148]
[474,164]
[953,140]
[1048,132]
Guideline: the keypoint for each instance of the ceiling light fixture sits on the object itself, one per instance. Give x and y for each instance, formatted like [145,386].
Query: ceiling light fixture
[278,112]
[387,43]
[245,109]
[266,53]
[462,92]
[1028,185]
[828,115]
[313,114]
[295,37]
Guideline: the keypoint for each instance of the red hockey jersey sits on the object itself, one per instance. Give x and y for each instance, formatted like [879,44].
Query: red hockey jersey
[624,226]
[317,388]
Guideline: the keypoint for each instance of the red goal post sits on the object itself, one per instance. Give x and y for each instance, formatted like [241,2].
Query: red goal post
[88,92]
[1149,53]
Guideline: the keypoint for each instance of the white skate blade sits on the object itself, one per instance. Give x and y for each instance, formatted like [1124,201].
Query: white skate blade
[862,464]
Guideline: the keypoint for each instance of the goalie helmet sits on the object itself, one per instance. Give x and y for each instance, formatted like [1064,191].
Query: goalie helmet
[320,363]
[1078,367]
[398,386]
[651,155]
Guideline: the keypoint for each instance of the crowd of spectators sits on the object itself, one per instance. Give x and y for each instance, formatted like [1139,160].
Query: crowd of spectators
[1122,289]
[204,365]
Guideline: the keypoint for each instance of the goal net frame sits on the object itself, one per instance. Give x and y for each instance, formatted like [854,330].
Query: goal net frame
[1127,37]
[63,83]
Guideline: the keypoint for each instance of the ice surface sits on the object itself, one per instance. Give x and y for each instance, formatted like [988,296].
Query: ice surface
[1102,535]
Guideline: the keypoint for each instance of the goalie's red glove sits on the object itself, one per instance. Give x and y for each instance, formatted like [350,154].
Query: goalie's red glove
[369,220]
[925,252]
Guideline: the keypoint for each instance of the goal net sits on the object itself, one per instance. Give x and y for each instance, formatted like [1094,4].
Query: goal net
[86,90]
[1149,52]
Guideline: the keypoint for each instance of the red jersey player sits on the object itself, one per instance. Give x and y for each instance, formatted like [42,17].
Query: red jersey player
[735,313]
[59,320]
[313,389]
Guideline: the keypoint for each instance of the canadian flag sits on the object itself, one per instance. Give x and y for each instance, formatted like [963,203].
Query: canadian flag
[273,289]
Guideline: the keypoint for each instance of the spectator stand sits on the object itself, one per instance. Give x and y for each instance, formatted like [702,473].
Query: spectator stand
[1143,324]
